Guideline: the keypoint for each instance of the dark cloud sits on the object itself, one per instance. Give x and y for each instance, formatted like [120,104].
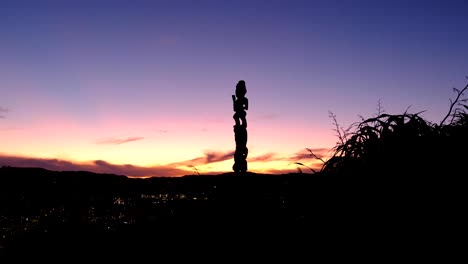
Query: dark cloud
[308,154]
[97,166]
[309,159]
[50,164]
[264,157]
[210,157]
[305,154]
[133,170]
[218,156]
[117,141]
[3,111]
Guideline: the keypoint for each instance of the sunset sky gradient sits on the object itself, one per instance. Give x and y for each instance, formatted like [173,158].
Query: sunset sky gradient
[143,88]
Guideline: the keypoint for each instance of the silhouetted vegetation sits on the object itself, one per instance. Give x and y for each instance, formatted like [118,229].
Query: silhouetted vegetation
[402,143]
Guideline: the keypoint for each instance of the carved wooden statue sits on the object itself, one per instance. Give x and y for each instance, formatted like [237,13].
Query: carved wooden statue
[240,105]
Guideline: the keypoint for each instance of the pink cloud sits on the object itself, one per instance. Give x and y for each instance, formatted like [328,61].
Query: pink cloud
[264,157]
[117,141]
[268,116]
[308,154]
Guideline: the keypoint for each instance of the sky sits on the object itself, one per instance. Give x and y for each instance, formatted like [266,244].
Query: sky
[143,88]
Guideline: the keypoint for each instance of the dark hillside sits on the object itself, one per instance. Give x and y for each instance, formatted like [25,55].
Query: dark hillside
[42,208]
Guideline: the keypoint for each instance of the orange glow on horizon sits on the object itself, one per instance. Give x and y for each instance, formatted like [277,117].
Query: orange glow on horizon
[151,143]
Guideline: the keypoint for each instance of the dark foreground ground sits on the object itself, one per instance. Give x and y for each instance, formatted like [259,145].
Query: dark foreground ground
[81,212]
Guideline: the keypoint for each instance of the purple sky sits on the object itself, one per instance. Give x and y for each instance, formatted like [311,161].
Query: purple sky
[149,83]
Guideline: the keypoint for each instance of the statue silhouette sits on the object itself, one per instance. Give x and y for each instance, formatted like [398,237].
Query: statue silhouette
[240,104]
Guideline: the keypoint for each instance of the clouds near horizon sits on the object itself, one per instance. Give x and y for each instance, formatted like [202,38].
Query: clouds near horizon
[264,157]
[209,157]
[168,170]
[97,166]
[306,154]
[117,141]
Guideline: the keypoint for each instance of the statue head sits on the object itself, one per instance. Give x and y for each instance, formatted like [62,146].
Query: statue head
[241,89]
